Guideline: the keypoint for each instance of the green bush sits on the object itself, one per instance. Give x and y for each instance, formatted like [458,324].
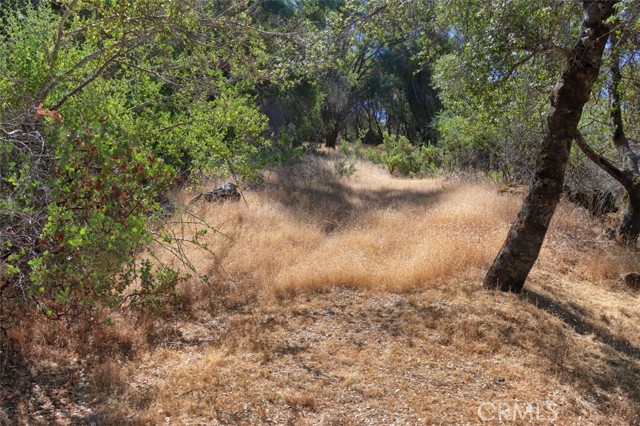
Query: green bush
[345,165]
[78,186]
[103,189]
[402,158]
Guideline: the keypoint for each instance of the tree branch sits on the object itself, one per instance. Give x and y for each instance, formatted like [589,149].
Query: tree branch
[54,80]
[120,52]
[56,48]
[564,52]
[602,162]
[53,56]
[86,82]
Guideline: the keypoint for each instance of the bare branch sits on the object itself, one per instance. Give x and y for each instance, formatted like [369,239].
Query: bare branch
[53,56]
[552,46]
[56,48]
[54,80]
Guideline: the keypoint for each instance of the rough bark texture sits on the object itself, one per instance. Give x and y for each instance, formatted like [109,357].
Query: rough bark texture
[629,228]
[627,156]
[522,246]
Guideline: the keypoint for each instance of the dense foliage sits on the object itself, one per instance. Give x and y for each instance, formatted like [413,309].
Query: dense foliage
[104,107]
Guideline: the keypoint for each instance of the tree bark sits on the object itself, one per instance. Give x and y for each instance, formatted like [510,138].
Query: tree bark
[336,121]
[522,246]
[331,137]
[627,156]
[629,228]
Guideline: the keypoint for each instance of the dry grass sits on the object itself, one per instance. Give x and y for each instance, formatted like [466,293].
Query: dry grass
[358,302]
[371,232]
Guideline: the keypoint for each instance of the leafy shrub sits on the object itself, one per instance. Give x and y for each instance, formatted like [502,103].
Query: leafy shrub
[400,157]
[100,195]
[283,150]
[77,198]
[345,165]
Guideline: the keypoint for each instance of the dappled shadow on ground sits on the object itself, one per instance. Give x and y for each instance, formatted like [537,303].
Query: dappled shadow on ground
[577,318]
[599,376]
[311,187]
[61,388]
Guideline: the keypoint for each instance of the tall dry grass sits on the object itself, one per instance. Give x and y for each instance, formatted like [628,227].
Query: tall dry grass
[310,231]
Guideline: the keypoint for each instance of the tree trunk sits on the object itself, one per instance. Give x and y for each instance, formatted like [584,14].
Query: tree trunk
[331,138]
[629,228]
[522,246]
[332,135]
[380,133]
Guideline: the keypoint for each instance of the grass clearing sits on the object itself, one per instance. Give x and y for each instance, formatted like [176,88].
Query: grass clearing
[356,302]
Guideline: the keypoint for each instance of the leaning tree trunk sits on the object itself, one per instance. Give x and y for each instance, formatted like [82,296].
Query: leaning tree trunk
[629,229]
[522,246]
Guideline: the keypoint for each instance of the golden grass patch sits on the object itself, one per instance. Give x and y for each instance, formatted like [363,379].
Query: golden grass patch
[372,232]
